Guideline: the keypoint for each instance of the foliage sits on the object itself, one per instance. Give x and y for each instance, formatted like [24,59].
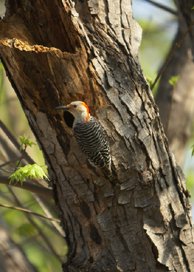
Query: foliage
[24,141]
[149,80]
[189,182]
[192,152]
[173,80]
[29,171]
[26,229]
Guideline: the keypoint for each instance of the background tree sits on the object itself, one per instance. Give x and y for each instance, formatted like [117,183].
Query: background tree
[136,224]
[11,255]
[175,98]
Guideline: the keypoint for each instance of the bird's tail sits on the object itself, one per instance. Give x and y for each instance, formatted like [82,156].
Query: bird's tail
[109,173]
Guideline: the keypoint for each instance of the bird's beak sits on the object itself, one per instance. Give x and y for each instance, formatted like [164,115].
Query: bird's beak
[62,107]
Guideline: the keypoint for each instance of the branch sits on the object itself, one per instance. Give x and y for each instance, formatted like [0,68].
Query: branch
[169,59]
[161,6]
[36,226]
[46,192]
[30,212]
[8,162]
[15,142]
[41,201]
[44,207]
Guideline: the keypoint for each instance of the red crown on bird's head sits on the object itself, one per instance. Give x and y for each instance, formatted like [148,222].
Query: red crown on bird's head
[86,106]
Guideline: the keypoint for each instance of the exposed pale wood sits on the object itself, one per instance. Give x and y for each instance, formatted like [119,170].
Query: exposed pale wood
[53,56]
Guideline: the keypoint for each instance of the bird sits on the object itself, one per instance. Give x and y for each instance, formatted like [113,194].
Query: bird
[90,135]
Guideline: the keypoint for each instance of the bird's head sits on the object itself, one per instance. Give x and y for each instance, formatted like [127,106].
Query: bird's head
[78,109]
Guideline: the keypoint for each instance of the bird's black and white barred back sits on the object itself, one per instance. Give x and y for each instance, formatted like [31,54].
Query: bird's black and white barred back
[90,136]
[93,142]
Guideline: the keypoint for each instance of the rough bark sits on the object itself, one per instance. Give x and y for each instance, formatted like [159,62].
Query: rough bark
[176,103]
[55,52]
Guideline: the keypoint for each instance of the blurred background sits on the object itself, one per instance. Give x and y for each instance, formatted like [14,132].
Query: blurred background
[161,33]
[163,52]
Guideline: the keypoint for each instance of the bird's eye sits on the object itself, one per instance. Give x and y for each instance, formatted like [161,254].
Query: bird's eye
[74,106]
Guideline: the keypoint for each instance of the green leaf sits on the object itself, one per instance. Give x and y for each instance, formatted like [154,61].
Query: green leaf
[173,80]
[149,80]
[26,141]
[192,152]
[29,171]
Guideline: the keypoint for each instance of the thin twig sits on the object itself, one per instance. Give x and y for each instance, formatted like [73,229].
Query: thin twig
[36,226]
[161,6]
[41,201]
[8,162]
[15,142]
[30,212]
[176,46]
[47,212]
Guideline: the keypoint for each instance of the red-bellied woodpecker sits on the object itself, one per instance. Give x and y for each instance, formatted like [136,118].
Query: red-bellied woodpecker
[90,135]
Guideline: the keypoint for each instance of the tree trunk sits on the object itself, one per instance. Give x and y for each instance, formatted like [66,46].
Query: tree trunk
[186,12]
[55,52]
